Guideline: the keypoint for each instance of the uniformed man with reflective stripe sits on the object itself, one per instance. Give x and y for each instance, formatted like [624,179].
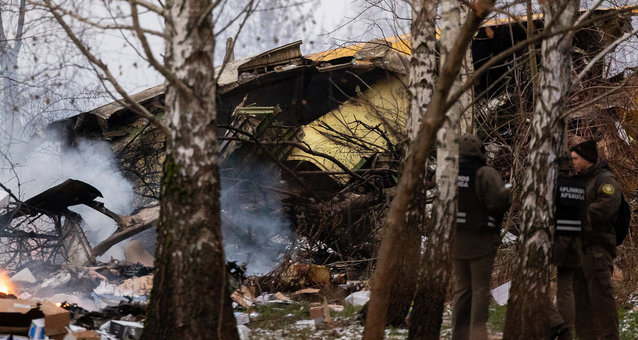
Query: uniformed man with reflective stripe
[567,253]
[596,311]
[482,201]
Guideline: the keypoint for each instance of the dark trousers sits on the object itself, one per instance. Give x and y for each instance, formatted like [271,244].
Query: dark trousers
[471,297]
[596,311]
[565,296]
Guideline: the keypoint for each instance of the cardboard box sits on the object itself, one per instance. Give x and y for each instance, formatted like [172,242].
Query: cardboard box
[316,312]
[16,316]
[82,335]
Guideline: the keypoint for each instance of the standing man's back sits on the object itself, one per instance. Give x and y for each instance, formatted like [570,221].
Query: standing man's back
[596,311]
[567,249]
[482,201]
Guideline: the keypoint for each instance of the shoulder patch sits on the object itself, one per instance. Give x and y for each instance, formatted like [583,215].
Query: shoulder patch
[609,189]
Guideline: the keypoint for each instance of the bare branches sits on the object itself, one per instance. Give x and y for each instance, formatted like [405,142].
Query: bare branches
[595,99]
[129,226]
[454,96]
[602,54]
[74,15]
[275,159]
[307,149]
[137,107]
[588,13]
[209,10]
[149,54]
[248,10]
[153,8]
[9,192]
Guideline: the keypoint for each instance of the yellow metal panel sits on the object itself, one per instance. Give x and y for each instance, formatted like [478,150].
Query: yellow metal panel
[383,106]
[399,43]
[337,53]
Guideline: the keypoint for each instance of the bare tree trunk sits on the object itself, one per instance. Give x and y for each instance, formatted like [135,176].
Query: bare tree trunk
[421,88]
[529,293]
[190,297]
[11,123]
[427,313]
[11,119]
[533,67]
[415,165]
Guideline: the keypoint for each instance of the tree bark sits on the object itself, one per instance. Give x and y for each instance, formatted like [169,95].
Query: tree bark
[11,124]
[529,293]
[415,165]
[429,301]
[421,88]
[190,297]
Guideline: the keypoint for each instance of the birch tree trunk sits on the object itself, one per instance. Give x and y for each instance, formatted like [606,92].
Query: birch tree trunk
[11,122]
[421,88]
[12,126]
[432,120]
[529,293]
[429,301]
[190,297]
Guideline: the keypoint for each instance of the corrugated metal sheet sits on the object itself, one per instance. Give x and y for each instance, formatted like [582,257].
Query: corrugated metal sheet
[277,56]
[106,111]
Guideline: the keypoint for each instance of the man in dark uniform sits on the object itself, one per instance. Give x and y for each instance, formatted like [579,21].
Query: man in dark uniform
[482,201]
[596,311]
[567,253]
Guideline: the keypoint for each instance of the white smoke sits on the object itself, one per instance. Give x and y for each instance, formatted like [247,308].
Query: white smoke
[255,228]
[33,168]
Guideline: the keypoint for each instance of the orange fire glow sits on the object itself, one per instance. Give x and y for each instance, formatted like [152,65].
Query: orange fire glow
[6,286]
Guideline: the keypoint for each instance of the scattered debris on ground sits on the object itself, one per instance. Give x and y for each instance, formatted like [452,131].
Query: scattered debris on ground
[108,300]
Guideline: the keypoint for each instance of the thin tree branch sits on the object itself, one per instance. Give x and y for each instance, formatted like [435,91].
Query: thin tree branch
[588,13]
[137,223]
[207,11]
[149,54]
[454,96]
[602,54]
[248,11]
[9,192]
[275,159]
[85,20]
[137,107]
[153,8]
[595,99]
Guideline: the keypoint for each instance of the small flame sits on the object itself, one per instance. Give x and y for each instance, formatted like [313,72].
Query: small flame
[6,286]
[59,304]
